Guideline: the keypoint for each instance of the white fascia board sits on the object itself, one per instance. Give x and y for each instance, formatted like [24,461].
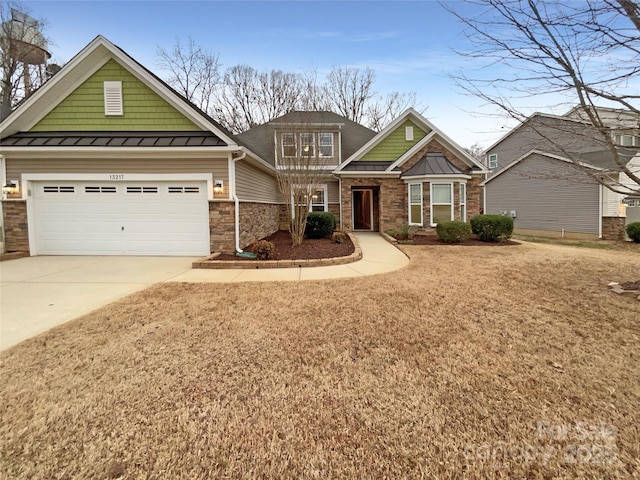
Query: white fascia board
[385,132]
[412,151]
[57,81]
[427,178]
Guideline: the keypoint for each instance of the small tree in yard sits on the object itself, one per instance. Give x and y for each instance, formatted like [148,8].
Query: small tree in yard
[300,172]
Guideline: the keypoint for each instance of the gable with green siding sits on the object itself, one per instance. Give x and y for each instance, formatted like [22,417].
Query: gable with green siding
[143,109]
[395,145]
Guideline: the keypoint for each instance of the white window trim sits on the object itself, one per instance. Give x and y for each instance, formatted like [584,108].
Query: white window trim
[410,204]
[282,144]
[492,161]
[431,204]
[325,193]
[113,98]
[320,145]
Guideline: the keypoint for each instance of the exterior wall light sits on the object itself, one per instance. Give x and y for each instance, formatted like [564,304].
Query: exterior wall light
[218,186]
[11,188]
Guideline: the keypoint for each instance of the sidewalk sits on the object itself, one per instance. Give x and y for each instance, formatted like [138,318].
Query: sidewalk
[378,256]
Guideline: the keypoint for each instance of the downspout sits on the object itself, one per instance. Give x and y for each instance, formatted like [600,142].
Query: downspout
[3,181]
[234,196]
[600,210]
[340,178]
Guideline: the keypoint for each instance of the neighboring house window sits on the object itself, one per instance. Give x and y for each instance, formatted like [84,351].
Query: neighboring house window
[325,140]
[463,202]
[319,200]
[288,145]
[627,140]
[441,202]
[307,142]
[415,204]
[493,161]
[113,98]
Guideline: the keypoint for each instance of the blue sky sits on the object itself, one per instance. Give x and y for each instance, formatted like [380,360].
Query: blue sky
[409,44]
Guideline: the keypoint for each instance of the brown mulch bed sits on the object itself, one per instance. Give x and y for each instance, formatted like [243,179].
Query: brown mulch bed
[472,242]
[310,248]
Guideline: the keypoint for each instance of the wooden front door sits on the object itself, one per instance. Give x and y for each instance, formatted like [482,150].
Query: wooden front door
[362,209]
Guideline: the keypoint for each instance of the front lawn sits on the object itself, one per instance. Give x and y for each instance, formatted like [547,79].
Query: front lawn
[470,363]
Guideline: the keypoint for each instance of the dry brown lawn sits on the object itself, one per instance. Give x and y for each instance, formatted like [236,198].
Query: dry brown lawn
[473,362]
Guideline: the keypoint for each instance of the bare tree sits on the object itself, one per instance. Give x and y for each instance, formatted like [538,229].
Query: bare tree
[349,90]
[193,71]
[250,97]
[476,151]
[23,54]
[300,170]
[383,110]
[588,51]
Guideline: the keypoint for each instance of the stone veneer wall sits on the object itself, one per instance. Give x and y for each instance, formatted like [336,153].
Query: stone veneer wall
[16,230]
[613,228]
[392,194]
[222,226]
[257,220]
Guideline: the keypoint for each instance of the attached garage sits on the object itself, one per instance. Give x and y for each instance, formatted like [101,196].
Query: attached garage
[120,218]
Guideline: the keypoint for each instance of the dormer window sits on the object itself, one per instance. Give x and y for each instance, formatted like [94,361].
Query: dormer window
[113,98]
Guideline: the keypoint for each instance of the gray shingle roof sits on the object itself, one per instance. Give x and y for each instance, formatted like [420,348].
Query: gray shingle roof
[433,163]
[259,139]
[113,139]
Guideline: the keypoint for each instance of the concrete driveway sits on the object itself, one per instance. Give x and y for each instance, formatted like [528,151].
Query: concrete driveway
[38,293]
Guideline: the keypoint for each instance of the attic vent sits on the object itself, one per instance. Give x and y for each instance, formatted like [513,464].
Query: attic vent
[408,134]
[113,98]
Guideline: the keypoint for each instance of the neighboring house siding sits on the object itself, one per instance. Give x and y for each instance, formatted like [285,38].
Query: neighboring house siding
[395,144]
[83,109]
[217,166]
[255,185]
[544,134]
[565,199]
[611,203]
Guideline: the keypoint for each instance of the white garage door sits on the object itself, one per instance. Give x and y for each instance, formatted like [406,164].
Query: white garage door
[128,218]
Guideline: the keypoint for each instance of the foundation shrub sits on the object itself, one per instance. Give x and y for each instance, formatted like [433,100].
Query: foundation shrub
[453,232]
[320,224]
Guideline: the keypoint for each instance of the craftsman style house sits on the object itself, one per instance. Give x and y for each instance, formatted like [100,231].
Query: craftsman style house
[107,159]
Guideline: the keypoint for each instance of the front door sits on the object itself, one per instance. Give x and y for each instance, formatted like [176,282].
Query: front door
[362,209]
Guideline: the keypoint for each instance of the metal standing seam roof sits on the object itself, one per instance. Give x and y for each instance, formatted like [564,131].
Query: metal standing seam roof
[113,139]
[433,163]
[367,166]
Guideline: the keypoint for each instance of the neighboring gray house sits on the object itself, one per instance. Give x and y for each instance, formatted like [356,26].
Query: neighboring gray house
[532,179]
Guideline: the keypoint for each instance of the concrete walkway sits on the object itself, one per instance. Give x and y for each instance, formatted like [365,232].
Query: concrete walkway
[39,293]
[378,256]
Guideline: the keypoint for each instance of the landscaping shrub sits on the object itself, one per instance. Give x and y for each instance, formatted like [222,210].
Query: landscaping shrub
[492,228]
[406,232]
[633,230]
[453,232]
[320,224]
[339,237]
[263,249]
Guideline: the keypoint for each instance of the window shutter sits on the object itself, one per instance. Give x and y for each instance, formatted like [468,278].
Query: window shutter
[113,98]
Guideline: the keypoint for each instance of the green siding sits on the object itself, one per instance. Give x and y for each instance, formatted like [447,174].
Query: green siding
[392,147]
[143,109]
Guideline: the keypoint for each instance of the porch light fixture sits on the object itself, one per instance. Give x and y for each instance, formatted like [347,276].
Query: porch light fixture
[218,186]
[10,188]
